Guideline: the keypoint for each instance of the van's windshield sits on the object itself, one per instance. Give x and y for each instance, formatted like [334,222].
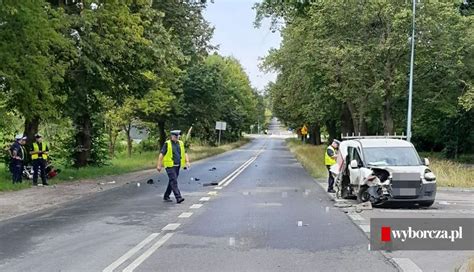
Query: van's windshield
[391,156]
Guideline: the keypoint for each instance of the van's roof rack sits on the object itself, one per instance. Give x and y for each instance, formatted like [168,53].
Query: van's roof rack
[385,136]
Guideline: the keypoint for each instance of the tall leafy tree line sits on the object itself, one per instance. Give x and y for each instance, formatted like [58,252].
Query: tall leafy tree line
[343,68]
[86,71]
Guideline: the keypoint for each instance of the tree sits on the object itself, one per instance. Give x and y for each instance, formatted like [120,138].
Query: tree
[35,54]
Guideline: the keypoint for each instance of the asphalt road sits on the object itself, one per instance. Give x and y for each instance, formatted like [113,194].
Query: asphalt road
[267,214]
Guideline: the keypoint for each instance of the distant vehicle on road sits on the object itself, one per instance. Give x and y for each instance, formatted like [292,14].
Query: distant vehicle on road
[383,170]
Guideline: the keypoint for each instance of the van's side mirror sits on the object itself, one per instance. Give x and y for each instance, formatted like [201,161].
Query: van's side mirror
[427,162]
[354,164]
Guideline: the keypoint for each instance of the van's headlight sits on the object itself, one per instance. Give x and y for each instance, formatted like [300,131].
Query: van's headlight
[429,176]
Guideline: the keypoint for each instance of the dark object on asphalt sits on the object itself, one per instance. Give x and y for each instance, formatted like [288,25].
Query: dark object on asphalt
[150,181]
[210,184]
[180,200]
[213,169]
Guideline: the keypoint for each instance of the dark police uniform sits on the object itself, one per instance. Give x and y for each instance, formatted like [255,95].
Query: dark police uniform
[18,153]
[173,172]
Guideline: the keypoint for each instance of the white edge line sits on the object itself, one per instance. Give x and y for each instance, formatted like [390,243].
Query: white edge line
[407,265]
[148,253]
[130,253]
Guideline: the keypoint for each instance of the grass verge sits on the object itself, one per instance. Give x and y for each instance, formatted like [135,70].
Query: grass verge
[310,156]
[121,164]
[448,173]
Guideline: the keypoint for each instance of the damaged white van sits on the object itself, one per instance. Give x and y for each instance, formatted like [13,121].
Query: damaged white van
[381,170]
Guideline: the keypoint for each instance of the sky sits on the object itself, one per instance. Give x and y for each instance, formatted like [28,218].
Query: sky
[236,36]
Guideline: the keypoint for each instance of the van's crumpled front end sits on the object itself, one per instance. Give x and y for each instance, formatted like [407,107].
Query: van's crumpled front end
[399,184]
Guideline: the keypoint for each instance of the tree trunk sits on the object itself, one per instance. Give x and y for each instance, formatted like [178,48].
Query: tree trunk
[161,128]
[387,117]
[128,129]
[31,128]
[347,125]
[83,140]
[315,138]
[112,141]
[332,131]
[355,119]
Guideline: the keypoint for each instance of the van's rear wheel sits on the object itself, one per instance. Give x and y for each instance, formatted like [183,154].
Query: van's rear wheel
[363,195]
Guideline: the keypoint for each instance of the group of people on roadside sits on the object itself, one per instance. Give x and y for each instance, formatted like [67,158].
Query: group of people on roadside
[37,153]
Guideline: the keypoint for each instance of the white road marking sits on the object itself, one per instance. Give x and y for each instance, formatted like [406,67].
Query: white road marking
[172,226]
[238,173]
[195,206]
[148,253]
[212,193]
[233,173]
[218,188]
[365,228]
[185,215]
[407,265]
[130,253]
[356,217]
[205,198]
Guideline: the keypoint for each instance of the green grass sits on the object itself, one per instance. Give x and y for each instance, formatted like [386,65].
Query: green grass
[310,156]
[121,164]
[448,173]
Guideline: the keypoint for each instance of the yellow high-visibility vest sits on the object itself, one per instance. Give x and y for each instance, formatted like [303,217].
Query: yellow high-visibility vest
[327,159]
[168,157]
[36,149]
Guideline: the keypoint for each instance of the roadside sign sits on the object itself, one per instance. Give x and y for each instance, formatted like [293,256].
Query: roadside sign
[221,125]
[304,130]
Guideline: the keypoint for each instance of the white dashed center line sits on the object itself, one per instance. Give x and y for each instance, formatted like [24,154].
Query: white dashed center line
[196,206]
[185,215]
[172,226]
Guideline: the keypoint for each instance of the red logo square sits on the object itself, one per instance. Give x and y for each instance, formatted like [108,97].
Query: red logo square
[386,237]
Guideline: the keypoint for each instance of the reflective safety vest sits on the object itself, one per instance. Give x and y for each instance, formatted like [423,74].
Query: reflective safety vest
[36,149]
[168,157]
[327,159]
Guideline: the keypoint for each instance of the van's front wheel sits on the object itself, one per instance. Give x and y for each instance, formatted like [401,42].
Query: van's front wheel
[426,203]
[363,194]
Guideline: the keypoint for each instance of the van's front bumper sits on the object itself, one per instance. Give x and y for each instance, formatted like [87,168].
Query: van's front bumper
[422,192]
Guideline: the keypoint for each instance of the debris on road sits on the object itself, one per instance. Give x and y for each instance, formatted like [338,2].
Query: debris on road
[300,223]
[342,205]
[150,181]
[363,206]
[212,169]
[211,184]
[138,184]
[195,179]
[111,182]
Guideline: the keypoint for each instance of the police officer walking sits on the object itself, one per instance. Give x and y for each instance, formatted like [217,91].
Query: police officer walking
[330,159]
[173,157]
[17,157]
[39,156]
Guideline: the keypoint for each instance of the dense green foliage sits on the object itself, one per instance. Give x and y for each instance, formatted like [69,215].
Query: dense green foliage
[86,73]
[343,68]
